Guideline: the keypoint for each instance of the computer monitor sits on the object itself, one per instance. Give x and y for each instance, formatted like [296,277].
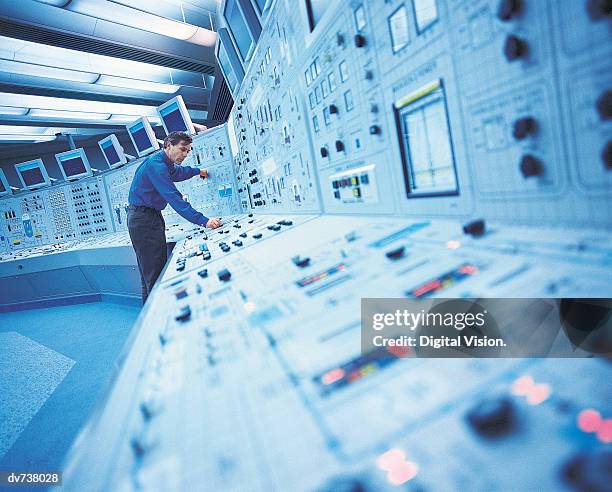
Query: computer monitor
[73,164]
[228,59]
[242,27]
[112,151]
[142,136]
[175,117]
[5,188]
[32,174]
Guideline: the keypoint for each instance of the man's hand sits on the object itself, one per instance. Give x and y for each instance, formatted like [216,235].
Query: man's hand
[214,223]
[199,128]
[203,173]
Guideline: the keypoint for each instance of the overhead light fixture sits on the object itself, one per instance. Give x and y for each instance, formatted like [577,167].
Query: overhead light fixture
[131,17]
[26,138]
[22,68]
[143,85]
[13,111]
[79,105]
[67,115]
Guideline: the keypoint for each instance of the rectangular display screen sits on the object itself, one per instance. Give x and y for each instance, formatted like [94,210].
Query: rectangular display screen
[173,119]
[238,26]
[425,142]
[2,188]
[141,139]
[32,176]
[73,166]
[110,152]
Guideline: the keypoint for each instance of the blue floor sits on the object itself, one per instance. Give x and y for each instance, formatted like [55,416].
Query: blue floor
[61,359]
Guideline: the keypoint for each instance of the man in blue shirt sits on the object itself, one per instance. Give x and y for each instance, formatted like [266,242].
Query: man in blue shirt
[152,189]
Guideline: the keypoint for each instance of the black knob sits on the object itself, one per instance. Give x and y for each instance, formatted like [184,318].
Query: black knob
[224,275]
[591,471]
[599,9]
[239,115]
[360,40]
[301,262]
[475,228]
[515,48]
[374,108]
[396,254]
[509,9]
[604,105]
[324,152]
[369,75]
[492,417]
[531,166]
[606,155]
[524,127]
[339,146]
[375,130]
[333,109]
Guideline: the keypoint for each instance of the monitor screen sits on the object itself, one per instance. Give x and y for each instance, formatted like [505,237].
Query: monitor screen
[238,26]
[32,174]
[112,151]
[73,164]
[5,188]
[141,139]
[173,120]
[142,136]
[2,187]
[112,157]
[175,117]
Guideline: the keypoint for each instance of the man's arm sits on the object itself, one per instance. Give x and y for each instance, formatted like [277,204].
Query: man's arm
[181,173]
[166,188]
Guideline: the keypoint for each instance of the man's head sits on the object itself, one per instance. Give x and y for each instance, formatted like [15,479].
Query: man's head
[177,146]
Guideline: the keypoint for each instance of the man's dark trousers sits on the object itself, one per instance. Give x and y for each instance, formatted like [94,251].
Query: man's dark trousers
[148,234]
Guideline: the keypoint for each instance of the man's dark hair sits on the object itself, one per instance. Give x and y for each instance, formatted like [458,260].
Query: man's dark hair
[174,138]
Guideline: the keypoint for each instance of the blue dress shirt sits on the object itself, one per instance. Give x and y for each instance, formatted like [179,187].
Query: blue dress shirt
[153,186]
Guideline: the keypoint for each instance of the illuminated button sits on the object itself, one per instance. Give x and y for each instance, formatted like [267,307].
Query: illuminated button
[475,228]
[599,9]
[515,48]
[524,127]
[375,130]
[509,9]
[492,417]
[604,106]
[531,166]
[224,275]
[360,40]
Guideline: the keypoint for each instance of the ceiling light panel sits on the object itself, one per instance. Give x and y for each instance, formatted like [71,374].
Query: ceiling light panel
[67,115]
[44,102]
[22,68]
[143,85]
